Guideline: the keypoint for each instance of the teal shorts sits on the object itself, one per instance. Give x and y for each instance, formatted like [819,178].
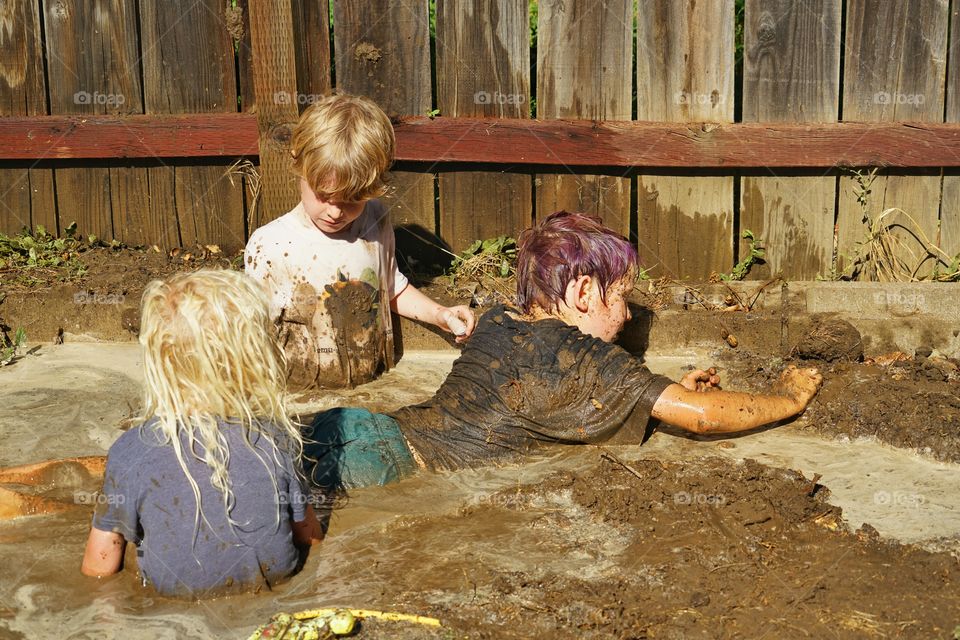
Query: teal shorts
[349,448]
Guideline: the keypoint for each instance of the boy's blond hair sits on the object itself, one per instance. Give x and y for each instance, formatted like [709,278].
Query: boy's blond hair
[342,146]
[210,357]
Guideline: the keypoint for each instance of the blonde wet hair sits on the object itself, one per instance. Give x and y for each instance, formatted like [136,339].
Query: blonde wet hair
[343,146]
[211,362]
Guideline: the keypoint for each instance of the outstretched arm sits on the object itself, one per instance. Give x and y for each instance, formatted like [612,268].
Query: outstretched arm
[708,411]
[414,304]
[104,553]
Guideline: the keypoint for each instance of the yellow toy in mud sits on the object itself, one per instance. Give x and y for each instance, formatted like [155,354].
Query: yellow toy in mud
[322,624]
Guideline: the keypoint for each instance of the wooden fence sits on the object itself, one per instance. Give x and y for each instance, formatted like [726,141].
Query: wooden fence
[127,115]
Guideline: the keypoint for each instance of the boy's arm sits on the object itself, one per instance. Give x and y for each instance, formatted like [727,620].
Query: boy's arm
[412,303]
[104,553]
[308,531]
[712,411]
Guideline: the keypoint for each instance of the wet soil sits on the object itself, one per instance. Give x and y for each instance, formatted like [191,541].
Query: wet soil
[647,549]
[831,340]
[912,402]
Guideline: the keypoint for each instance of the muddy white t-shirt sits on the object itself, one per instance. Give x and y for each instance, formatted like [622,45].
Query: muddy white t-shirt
[329,295]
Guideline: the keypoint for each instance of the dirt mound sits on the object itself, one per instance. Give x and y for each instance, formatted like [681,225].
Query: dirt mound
[831,340]
[708,548]
[909,404]
[905,401]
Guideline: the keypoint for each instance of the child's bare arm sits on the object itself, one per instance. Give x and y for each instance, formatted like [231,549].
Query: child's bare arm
[104,553]
[413,303]
[713,411]
[308,531]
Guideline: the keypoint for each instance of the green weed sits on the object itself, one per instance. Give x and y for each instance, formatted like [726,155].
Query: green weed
[493,257]
[27,251]
[10,347]
[486,265]
[754,256]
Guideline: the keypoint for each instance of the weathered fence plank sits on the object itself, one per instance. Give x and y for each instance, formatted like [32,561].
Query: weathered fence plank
[311,39]
[950,203]
[791,73]
[382,51]
[93,68]
[274,75]
[584,62]
[186,39]
[894,69]
[685,70]
[26,194]
[243,46]
[483,70]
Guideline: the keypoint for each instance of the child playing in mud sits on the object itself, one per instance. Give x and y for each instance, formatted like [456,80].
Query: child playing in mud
[207,486]
[329,264]
[542,374]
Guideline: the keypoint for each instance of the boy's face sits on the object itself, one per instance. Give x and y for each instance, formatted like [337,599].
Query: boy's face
[330,216]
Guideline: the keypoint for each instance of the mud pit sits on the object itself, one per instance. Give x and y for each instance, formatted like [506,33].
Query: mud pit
[715,538]
[703,543]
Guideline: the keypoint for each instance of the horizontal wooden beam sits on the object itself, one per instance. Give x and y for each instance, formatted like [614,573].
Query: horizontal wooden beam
[533,143]
[149,136]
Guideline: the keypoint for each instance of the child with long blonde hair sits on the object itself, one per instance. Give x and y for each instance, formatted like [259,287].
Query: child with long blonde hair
[208,485]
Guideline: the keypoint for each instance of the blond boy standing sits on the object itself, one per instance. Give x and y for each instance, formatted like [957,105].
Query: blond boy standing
[329,265]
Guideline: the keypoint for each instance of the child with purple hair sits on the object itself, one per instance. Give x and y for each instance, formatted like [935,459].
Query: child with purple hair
[542,374]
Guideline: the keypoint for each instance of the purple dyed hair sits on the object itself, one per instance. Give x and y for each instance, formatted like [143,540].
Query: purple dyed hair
[564,247]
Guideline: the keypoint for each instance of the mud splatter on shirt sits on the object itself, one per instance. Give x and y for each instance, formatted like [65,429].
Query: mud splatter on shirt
[519,386]
[329,295]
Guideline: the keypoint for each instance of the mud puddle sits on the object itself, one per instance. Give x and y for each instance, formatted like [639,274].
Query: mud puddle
[690,540]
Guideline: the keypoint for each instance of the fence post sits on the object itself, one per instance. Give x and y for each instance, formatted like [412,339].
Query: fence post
[275,88]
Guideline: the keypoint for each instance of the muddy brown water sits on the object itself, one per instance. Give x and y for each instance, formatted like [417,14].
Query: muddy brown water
[677,538]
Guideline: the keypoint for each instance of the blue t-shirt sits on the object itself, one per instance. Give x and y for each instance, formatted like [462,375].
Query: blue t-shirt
[148,499]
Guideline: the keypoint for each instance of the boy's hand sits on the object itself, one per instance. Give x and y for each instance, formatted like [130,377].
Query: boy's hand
[457,320]
[801,384]
[700,380]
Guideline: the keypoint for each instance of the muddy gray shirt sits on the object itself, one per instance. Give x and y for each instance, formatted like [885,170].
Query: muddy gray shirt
[147,499]
[521,385]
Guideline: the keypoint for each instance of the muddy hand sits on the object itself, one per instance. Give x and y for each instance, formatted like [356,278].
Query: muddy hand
[458,320]
[801,384]
[700,380]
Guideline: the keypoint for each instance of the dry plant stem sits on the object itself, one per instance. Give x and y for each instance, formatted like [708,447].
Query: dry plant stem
[609,455]
[881,258]
[245,169]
